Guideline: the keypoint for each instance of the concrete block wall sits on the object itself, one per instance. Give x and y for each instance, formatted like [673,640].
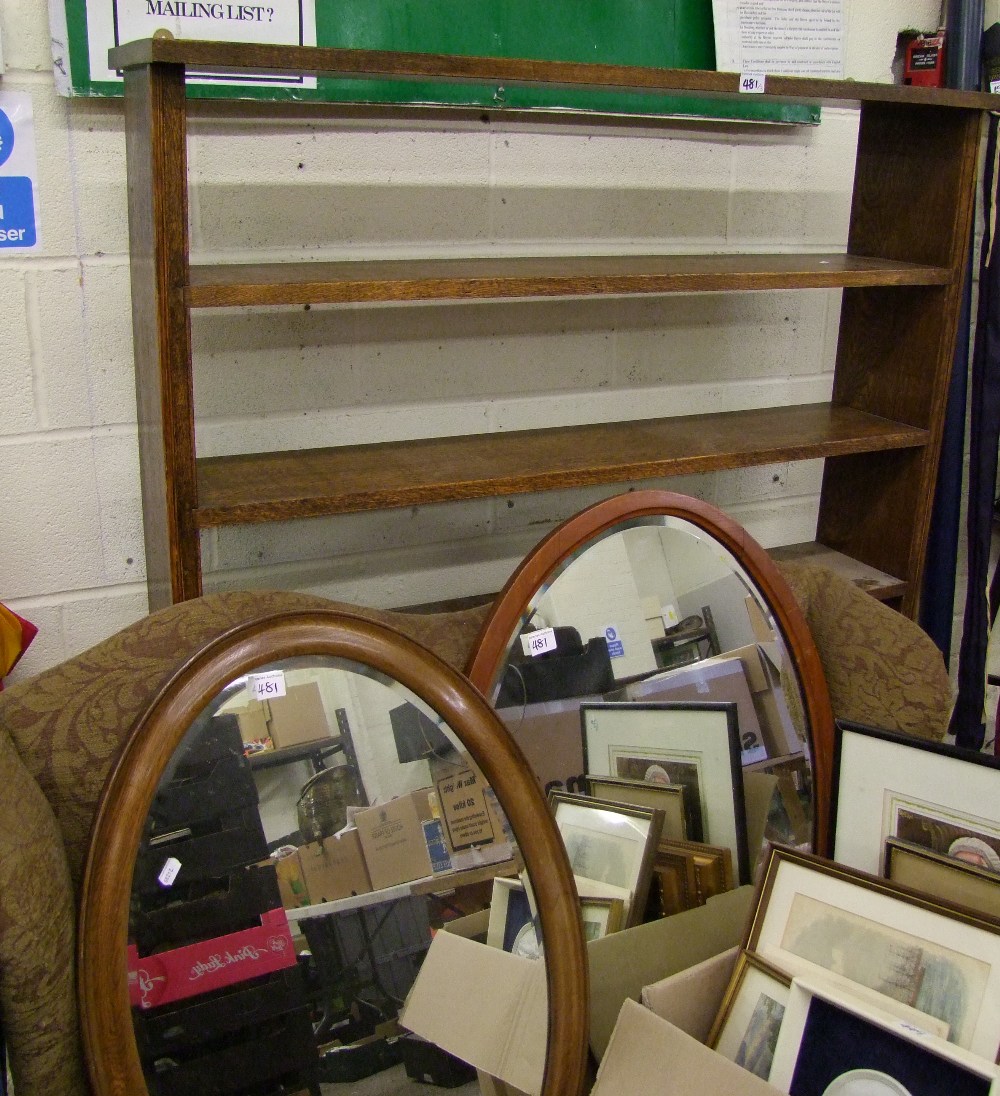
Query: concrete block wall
[71,550]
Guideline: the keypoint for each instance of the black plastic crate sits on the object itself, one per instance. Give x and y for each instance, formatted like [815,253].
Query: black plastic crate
[215,787]
[207,850]
[374,952]
[177,1028]
[431,1065]
[208,739]
[185,914]
[265,1057]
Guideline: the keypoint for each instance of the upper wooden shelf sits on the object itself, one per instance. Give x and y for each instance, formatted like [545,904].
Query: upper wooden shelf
[571,276]
[225,57]
[259,487]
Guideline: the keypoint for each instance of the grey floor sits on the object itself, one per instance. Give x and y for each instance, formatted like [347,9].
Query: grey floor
[394,1082]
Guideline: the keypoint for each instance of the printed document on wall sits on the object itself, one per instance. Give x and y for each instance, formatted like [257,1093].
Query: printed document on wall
[780,37]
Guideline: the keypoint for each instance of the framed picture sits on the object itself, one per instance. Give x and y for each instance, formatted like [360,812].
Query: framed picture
[675,876]
[642,793]
[835,1044]
[691,744]
[712,866]
[746,1028]
[942,876]
[887,785]
[815,918]
[611,843]
[601,916]
[511,924]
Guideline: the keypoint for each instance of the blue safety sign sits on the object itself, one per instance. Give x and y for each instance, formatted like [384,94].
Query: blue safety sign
[18,182]
[6,138]
[17,212]
[616,649]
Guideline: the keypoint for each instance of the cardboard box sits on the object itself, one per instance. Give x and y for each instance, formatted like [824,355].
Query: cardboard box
[769,718]
[290,720]
[647,1054]
[198,968]
[254,729]
[334,867]
[504,1035]
[549,736]
[392,837]
[691,999]
[471,817]
[723,678]
[298,716]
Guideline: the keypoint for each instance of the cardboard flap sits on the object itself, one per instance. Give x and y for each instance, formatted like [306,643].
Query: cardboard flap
[502,1029]
[690,999]
[647,1054]
[623,963]
[758,791]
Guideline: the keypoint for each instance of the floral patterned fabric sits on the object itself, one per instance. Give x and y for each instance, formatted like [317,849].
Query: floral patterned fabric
[881,668]
[59,734]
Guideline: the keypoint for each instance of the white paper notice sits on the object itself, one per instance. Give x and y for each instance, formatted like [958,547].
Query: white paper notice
[780,37]
[276,22]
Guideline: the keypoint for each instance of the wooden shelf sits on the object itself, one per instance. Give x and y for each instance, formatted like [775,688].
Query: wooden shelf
[570,276]
[916,165]
[230,57]
[262,487]
[880,585]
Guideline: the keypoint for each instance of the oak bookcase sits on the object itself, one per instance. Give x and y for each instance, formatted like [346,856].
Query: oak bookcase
[880,434]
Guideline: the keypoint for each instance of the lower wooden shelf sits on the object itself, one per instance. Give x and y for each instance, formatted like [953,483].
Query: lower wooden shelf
[261,487]
[880,585]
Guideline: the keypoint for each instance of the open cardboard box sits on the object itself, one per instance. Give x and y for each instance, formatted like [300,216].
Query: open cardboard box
[658,1045]
[503,1036]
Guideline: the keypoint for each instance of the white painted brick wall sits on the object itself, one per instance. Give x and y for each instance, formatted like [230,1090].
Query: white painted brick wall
[71,556]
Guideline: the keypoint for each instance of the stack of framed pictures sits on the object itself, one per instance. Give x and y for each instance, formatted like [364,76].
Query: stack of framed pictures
[611,847]
[924,814]
[689,752]
[848,983]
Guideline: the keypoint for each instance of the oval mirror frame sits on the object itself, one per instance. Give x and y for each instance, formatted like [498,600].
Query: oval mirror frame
[109,1044]
[542,563]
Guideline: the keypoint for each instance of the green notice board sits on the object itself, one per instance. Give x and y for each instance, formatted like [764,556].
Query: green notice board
[655,33]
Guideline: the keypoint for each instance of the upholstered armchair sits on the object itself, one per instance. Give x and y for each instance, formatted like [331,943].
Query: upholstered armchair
[59,735]
[61,731]
[881,669]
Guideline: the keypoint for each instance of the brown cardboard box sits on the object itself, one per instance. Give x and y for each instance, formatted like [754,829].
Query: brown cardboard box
[504,1035]
[392,837]
[648,1054]
[298,716]
[471,816]
[334,867]
[780,733]
[549,736]
[770,714]
[254,728]
[691,998]
[723,678]
[291,881]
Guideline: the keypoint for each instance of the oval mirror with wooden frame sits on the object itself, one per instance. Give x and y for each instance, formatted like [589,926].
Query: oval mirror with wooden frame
[207,956]
[654,597]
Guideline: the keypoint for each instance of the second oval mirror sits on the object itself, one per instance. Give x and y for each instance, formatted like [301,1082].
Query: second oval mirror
[649,640]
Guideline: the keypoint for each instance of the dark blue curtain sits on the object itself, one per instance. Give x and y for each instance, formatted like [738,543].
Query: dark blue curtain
[937,599]
[984,436]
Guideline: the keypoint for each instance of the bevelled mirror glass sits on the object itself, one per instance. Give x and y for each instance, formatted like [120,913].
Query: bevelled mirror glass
[215,959]
[653,602]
